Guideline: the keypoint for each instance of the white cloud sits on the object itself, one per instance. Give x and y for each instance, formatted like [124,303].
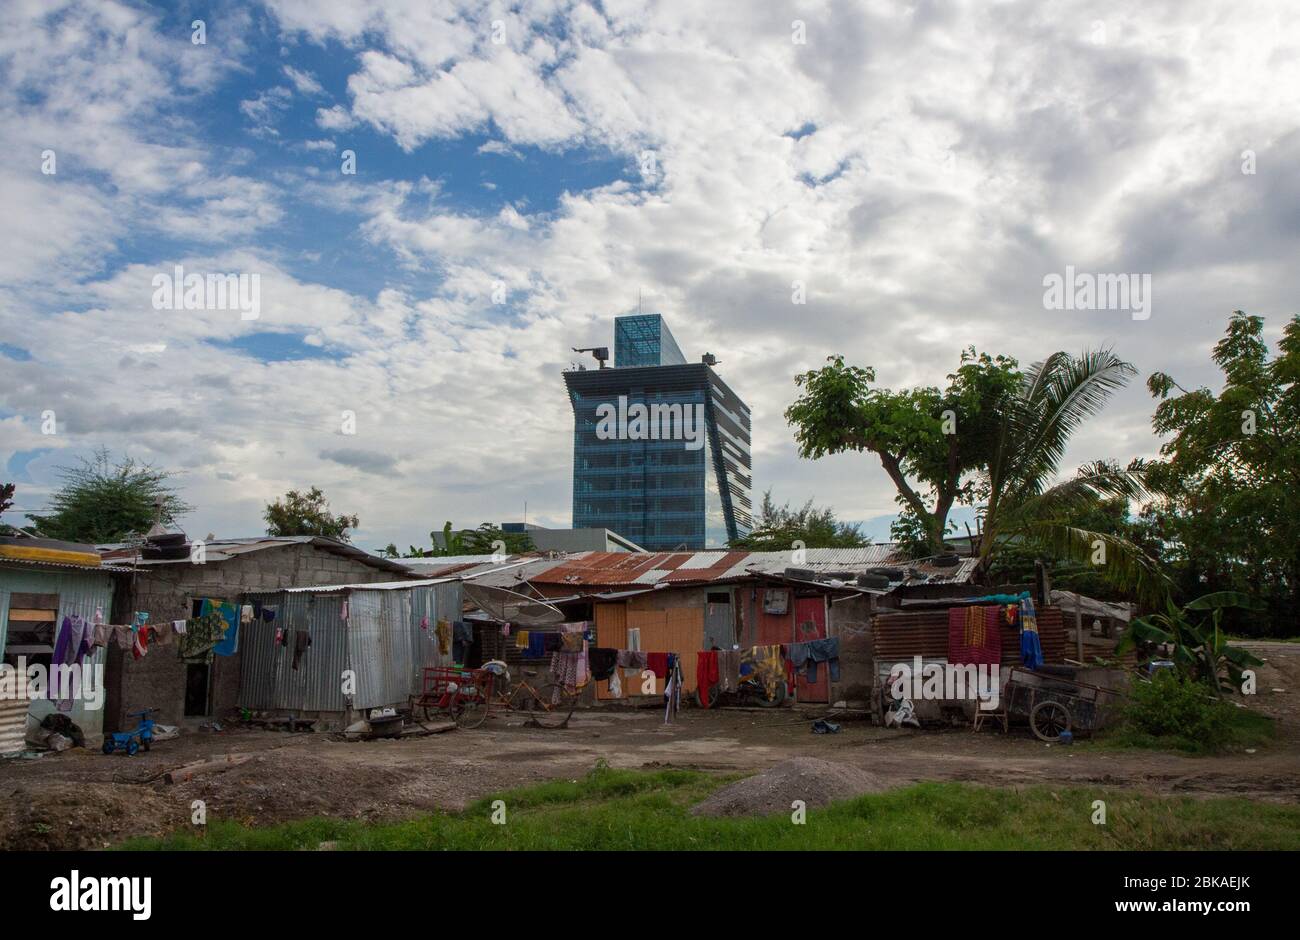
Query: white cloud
[948,157]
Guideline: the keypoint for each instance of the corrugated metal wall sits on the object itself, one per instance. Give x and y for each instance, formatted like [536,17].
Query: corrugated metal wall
[381,642]
[675,630]
[80,593]
[900,636]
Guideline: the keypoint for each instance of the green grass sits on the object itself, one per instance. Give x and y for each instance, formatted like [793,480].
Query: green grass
[625,809]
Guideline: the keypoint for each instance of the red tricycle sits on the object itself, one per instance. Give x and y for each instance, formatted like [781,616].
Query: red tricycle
[463,695]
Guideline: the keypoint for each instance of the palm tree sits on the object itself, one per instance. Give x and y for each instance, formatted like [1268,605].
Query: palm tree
[1023,504]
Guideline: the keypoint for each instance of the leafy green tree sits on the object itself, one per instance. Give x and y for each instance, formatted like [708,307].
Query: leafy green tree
[307,514]
[931,442]
[1024,506]
[1017,560]
[481,541]
[102,501]
[779,527]
[1230,472]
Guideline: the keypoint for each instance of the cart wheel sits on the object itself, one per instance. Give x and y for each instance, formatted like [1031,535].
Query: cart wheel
[108,746]
[132,747]
[1048,720]
[552,706]
[470,712]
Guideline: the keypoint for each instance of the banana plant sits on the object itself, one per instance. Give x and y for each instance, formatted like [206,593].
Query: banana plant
[1197,645]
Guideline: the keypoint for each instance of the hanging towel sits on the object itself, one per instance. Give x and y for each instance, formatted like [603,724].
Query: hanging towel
[728,670]
[1031,647]
[571,642]
[103,633]
[570,669]
[658,664]
[228,612]
[178,627]
[521,639]
[602,661]
[537,644]
[139,642]
[551,642]
[632,659]
[974,636]
[706,674]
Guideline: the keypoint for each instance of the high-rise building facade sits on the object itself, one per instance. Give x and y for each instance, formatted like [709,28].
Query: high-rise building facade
[660,445]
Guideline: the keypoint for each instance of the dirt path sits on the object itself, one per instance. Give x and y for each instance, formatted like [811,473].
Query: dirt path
[81,799]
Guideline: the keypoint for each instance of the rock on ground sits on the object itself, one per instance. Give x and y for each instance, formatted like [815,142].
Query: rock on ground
[811,779]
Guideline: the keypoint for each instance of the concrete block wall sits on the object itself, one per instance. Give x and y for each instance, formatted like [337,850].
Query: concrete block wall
[166,592]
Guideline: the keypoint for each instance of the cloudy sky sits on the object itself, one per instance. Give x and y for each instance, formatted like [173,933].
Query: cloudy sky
[919,167]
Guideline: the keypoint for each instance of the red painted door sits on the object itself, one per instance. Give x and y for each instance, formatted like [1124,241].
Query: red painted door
[810,624]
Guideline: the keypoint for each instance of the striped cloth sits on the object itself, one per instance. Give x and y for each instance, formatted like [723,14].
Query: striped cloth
[975,635]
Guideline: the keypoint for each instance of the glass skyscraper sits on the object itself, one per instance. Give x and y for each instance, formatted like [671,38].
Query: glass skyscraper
[660,445]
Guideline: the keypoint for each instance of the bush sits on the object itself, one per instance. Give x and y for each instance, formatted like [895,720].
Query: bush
[1175,712]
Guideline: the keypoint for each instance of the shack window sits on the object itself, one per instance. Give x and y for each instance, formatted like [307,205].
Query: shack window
[33,621]
[719,597]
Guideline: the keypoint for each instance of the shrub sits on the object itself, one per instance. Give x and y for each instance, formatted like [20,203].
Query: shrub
[1178,712]
[1170,706]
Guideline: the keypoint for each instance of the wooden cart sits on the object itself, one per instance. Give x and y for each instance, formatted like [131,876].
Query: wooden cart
[1053,704]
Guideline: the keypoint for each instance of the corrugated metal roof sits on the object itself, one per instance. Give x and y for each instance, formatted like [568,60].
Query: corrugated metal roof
[218,550]
[364,586]
[612,569]
[59,566]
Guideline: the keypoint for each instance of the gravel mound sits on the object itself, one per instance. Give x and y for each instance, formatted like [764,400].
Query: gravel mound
[815,781]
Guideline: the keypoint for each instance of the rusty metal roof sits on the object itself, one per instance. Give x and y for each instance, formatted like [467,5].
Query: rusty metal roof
[606,569]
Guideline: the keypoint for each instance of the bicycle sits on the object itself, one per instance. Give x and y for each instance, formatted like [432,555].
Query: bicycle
[548,706]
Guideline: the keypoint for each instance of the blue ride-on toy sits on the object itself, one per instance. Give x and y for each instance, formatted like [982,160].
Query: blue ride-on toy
[131,741]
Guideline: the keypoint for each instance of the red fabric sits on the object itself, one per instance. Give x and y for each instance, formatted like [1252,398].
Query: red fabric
[658,664]
[706,674]
[141,645]
[977,650]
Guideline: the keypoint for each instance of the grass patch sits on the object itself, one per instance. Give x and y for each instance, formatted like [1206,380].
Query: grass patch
[1177,714]
[1241,729]
[643,810]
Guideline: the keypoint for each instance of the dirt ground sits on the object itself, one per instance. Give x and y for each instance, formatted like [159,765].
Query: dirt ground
[84,799]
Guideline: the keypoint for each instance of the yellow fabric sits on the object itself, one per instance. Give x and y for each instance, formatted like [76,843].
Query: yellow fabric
[975,627]
[768,666]
[521,639]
